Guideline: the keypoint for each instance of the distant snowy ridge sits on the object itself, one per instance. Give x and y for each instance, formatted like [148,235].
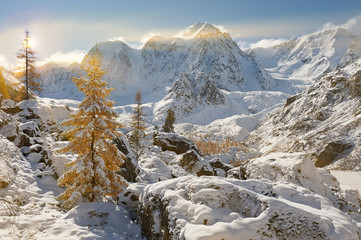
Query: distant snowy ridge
[309,57]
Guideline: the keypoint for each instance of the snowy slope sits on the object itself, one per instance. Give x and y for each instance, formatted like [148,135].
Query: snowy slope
[57,82]
[307,58]
[324,121]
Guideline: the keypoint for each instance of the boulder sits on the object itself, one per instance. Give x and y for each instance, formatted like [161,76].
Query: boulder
[330,152]
[9,127]
[11,109]
[175,143]
[129,169]
[219,167]
[192,162]
[23,140]
[30,128]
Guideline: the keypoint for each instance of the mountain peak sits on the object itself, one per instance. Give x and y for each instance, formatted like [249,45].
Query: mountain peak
[201,30]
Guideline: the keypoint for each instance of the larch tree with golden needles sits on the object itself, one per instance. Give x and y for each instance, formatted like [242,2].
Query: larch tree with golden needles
[26,71]
[92,175]
[4,90]
[138,124]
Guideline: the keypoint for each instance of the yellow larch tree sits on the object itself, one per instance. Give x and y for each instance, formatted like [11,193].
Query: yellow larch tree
[4,91]
[92,175]
[26,70]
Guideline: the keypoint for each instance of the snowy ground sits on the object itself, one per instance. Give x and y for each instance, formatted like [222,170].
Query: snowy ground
[29,210]
[348,179]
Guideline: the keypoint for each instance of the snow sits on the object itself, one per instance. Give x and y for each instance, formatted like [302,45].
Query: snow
[348,179]
[220,92]
[29,210]
[216,208]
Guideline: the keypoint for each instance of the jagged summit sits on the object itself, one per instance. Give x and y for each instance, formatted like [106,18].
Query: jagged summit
[201,30]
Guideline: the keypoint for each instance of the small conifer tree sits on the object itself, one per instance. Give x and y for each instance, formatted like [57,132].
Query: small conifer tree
[138,124]
[92,175]
[26,71]
[169,121]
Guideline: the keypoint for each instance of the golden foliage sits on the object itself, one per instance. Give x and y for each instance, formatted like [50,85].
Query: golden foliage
[4,90]
[92,174]
[212,146]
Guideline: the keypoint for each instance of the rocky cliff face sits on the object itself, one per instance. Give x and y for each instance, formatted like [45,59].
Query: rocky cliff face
[324,121]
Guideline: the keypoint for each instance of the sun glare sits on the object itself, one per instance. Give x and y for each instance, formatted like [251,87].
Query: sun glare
[31,42]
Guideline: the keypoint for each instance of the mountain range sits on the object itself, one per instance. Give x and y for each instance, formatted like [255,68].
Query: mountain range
[203,67]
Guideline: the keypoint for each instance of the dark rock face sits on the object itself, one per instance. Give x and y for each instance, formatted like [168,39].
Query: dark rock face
[330,152]
[12,110]
[30,128]
[4,184]
[174,143]
[128,169]
[239,172]
[9,127]
[291,100]
[355,84]
[24,140]
[219,167]
[147,215]
[193,163]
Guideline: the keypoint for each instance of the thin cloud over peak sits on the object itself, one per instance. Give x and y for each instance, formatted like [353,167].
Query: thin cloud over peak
[65,58]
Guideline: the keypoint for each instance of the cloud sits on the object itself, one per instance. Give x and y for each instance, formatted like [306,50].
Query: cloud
[115,39]
[327,26]
[354,25]
[65,58]
[221,28]
[265,43]
[148,36]
[243,44]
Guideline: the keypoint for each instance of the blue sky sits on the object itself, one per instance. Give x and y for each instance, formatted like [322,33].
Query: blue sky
[60,27]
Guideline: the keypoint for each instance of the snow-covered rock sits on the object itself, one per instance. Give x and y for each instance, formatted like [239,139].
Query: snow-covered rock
[219,208]
[297,168]
[9,127]
[15,180]
[173,142]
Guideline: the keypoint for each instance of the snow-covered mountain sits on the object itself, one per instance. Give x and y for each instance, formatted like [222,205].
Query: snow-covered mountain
[57,82]
[306,59]
[182,72]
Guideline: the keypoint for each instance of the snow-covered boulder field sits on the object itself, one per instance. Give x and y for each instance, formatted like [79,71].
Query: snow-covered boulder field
[211,207]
